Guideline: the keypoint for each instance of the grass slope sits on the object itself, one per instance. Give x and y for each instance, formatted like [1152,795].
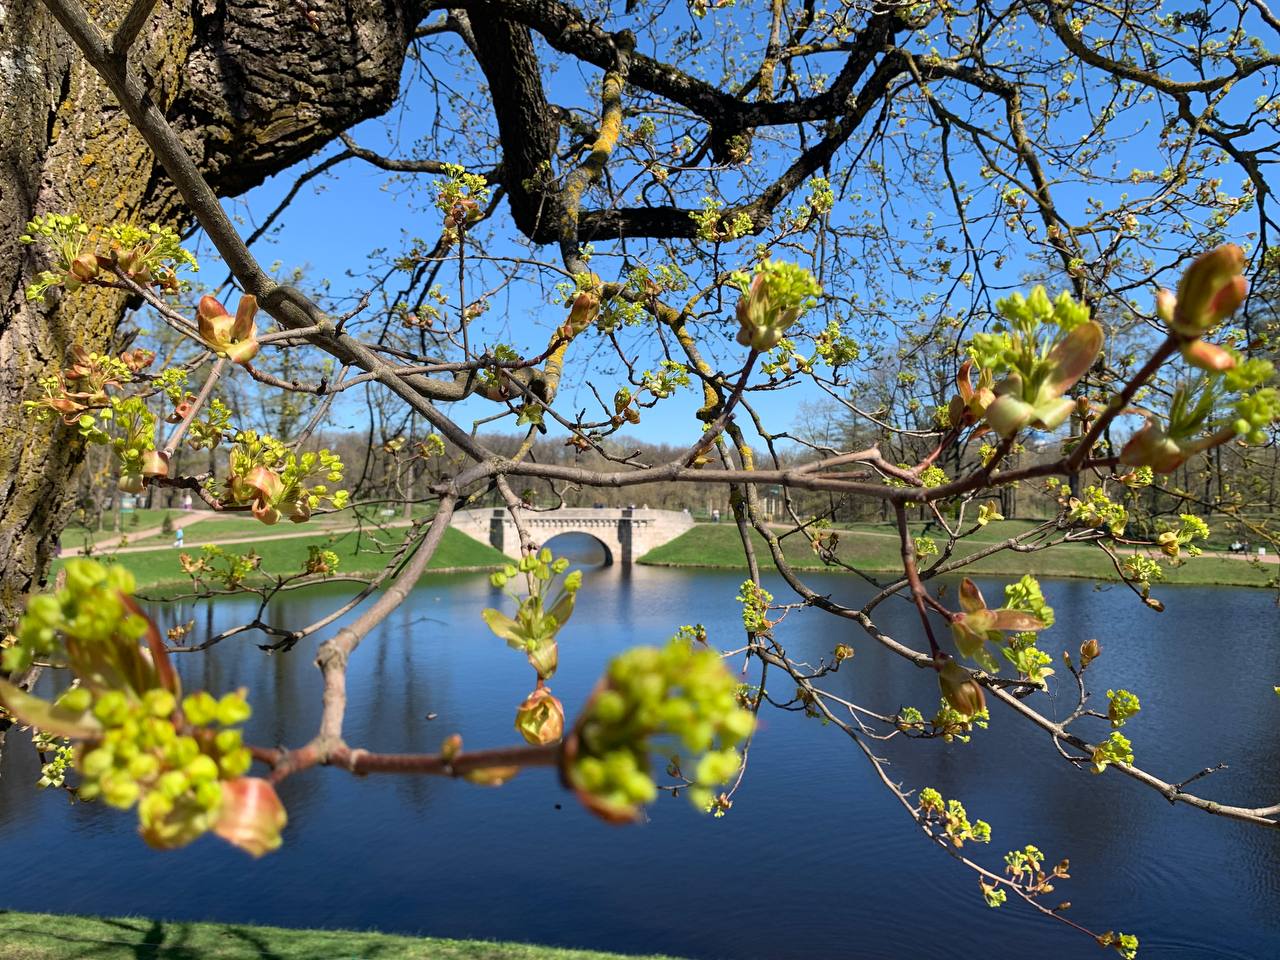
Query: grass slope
[356,553]
[218,526]
[76,533]
[874,548]
[211,529]
[221,526]
[37,936]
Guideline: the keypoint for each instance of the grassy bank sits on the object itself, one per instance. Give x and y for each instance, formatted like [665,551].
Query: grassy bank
[874,548]
[357,554]
[76,532]
[202,525]
[37,936]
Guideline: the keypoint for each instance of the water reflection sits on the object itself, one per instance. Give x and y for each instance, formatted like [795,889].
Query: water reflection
[814,860]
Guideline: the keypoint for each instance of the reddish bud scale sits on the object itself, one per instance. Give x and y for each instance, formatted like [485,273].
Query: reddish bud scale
[1211,289]
[1207,356]
[960,690]
[155,464]
[234,337]
[1152,447]
[251,815]
[540,717]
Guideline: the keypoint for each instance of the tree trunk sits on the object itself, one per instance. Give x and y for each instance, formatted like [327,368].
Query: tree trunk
[253,86]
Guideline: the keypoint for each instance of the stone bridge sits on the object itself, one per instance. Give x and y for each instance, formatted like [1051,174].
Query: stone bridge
[626,533]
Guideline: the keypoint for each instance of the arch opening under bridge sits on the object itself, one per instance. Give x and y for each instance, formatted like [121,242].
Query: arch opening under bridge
[580,548]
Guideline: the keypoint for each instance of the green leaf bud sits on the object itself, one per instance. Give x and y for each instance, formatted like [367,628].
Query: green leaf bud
[200,709]
[236,763]
[639,787]
[173,783]
[97,762]
[233,710]
[181,751]
[144,767]
[155,806]
[228,740]
[112,708]
[159,703]
[119,790]
[209,795]
[201,769]
[75,700]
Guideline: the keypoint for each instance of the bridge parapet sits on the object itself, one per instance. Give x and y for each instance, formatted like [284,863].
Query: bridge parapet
[626,533]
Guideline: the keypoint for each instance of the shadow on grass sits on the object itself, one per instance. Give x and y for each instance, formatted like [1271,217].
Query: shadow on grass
[49,937]
[84,938]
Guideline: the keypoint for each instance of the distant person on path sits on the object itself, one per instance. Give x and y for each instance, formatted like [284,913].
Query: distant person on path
[186,501]
[177,537]
[715,515]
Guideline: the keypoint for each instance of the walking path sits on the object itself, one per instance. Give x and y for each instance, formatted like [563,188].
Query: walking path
[300,530]
[1227,555]
[181,519]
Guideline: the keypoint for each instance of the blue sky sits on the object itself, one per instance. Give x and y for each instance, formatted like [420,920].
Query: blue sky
[336,220]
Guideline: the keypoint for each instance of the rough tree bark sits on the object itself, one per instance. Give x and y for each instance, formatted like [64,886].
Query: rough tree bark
[253,86]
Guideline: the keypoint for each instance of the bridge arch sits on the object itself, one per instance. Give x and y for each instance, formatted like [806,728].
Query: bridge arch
[550,541]
[626,533]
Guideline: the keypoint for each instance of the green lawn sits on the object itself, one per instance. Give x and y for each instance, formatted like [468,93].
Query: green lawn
[131,520]
[219,526]
[36,936]
[874,548]
[235,525]
[356,554]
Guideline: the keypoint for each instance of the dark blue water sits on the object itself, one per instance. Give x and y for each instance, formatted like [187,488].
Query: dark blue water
[815,859]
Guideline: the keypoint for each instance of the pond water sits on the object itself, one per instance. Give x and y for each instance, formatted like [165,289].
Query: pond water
[815,859]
